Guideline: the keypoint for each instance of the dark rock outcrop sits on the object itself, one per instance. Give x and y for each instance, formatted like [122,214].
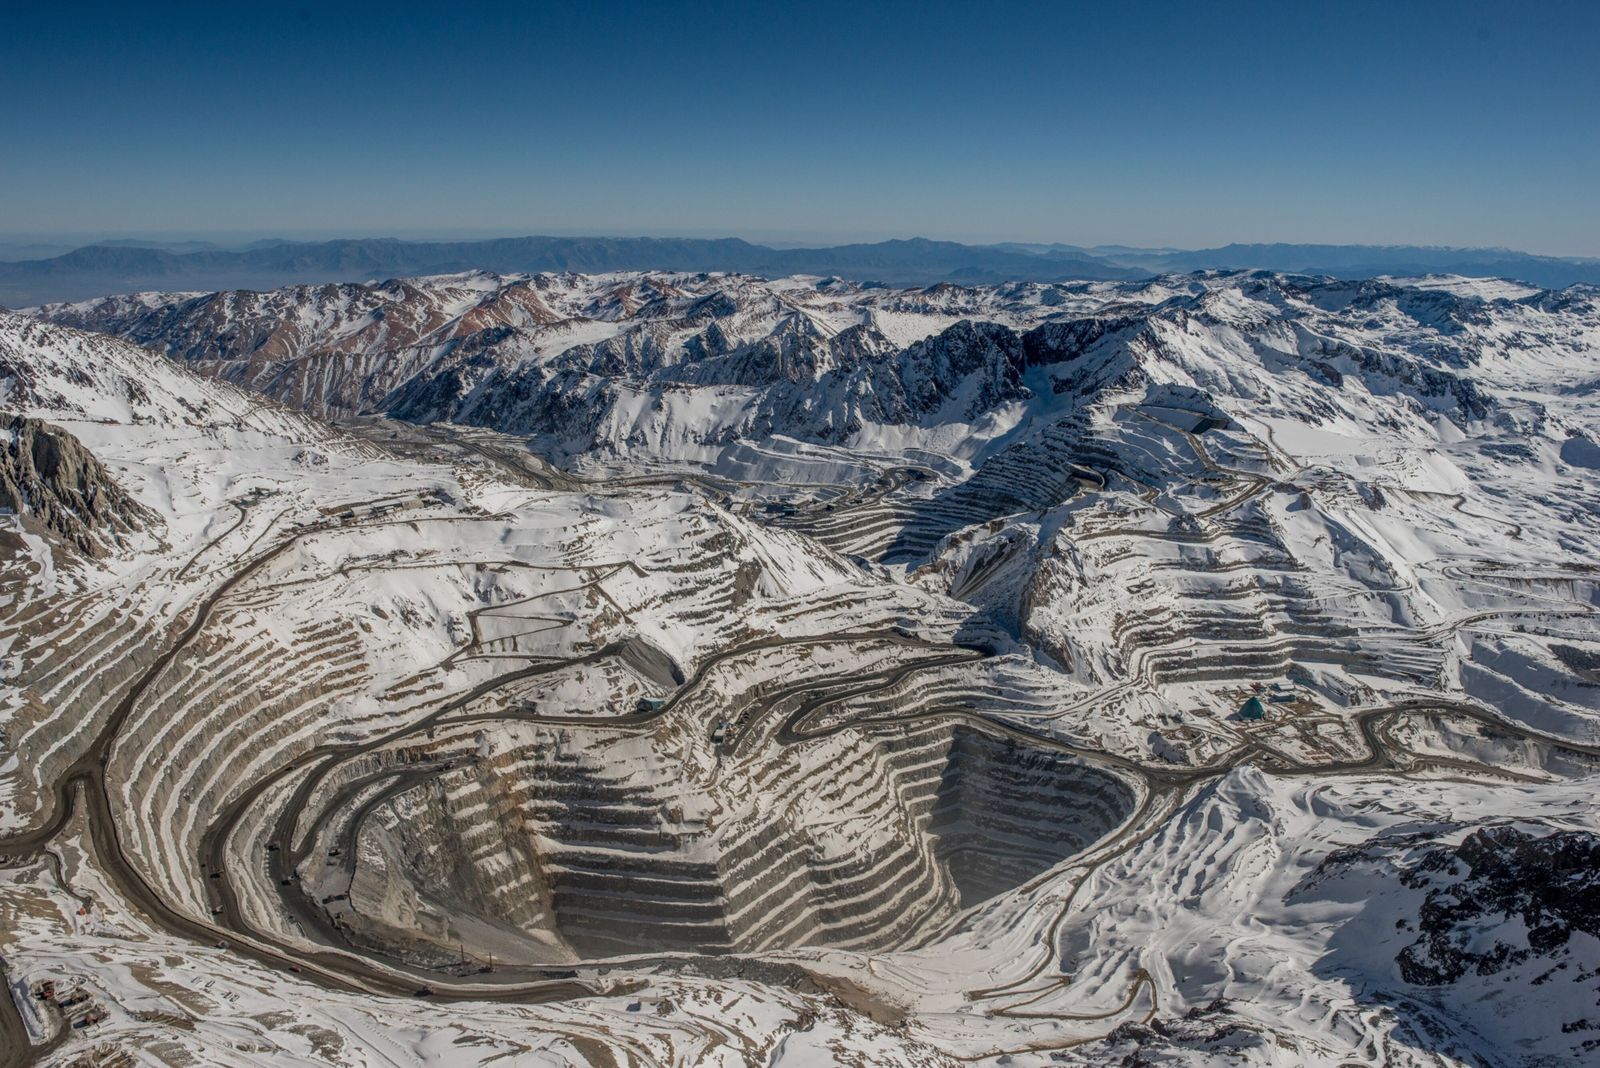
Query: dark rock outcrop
[1542,890]
[49,478]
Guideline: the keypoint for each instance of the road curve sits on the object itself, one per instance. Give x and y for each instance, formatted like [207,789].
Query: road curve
[339,968]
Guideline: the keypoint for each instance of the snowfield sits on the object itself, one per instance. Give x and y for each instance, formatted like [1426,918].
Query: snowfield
[701,669]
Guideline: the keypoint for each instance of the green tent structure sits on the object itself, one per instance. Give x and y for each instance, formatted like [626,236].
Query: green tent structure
[1253,709]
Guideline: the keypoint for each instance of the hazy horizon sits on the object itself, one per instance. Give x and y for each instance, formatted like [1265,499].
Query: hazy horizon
[226,239]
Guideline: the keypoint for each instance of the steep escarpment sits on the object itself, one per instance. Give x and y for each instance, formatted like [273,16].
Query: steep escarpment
[48,477]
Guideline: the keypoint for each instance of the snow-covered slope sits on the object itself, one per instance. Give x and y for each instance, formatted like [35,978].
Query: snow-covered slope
[682,367]
[654,365]
[899,643]
[1337,922]
[311,643]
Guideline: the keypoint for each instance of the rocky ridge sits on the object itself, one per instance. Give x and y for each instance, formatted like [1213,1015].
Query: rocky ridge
[50,479]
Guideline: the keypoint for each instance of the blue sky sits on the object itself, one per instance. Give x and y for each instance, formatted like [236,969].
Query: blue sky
[1153,124]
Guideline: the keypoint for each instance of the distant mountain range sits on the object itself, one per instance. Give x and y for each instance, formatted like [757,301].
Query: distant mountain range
[1367,261]
[121,267]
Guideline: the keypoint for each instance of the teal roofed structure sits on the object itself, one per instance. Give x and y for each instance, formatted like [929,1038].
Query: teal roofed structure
[1253,709]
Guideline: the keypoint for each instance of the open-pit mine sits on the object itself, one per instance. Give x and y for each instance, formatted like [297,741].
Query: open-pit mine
[700,669]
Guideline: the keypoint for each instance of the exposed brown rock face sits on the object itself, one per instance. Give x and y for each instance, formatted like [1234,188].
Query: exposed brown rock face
[50,478]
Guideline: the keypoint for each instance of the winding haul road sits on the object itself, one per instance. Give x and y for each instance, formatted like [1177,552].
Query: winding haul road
[335,964]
